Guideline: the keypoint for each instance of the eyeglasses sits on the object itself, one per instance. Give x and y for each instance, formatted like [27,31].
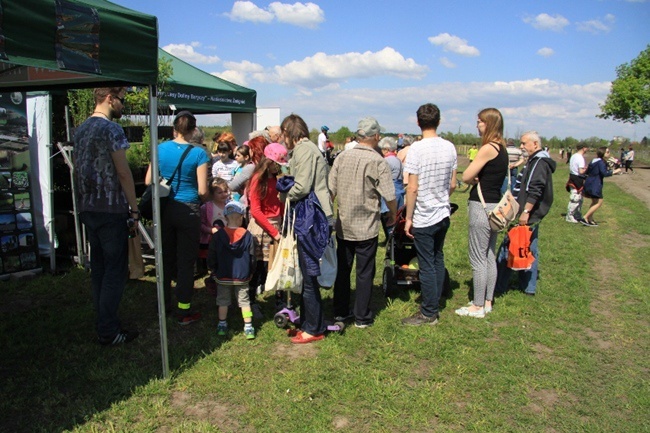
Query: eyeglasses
[119,99]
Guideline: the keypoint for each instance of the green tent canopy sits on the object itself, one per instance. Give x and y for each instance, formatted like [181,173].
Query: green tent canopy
[202,93]
[49,44]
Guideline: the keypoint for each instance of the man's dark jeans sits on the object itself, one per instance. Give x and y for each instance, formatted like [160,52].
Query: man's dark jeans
[365,252]
[108,235]
[429,242]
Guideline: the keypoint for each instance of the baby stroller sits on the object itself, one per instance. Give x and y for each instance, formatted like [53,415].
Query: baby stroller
[400,265]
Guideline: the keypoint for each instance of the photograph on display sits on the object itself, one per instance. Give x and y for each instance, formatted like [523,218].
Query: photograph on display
[26,241]
[24,220]
[7,222]
[20,180]
[12,264]
[6,201]
[13,122]
[5,180]
[8,243]
[22,201]
[28,260]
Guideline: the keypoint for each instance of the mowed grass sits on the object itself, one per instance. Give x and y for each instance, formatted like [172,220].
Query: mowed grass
[572,359]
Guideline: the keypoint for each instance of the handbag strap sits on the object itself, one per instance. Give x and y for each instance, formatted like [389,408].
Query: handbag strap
[480,194]
[169,181]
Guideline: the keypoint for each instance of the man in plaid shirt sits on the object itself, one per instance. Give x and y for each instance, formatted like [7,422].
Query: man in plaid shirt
[360,177]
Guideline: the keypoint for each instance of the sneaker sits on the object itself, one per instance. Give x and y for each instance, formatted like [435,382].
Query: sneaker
[420,319]
[188,318]
[249,333]
[344,319]
[123,336]
[486,308]
[465,311]
[222,329]
[584,222]
[572,220]
[593,223]
[362,325]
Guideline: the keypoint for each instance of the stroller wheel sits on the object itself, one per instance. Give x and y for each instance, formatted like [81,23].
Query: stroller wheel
[280,320]
[388,283]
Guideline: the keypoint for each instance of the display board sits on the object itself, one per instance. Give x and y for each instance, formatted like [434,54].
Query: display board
[18,242]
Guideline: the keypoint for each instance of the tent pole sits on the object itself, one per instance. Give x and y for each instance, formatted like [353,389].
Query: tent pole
[153,125]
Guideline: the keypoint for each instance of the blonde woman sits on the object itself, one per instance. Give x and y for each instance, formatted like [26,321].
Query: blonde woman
[489,169]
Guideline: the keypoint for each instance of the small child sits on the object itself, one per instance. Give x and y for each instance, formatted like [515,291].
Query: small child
[225,165]
[231,259]
[212,217]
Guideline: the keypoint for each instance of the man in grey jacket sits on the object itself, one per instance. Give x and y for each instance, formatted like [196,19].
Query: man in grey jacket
[535,199]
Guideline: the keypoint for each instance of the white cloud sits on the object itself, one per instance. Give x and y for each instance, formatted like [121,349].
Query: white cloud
[240,72]
[454,44]
[187,53]
[545,52]
[447,63]
[321,70]
[597,26]
[248,11]
[236,77]
[546,22]
[307,15]
[550,107]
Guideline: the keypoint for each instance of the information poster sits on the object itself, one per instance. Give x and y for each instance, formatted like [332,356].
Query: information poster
[18,243]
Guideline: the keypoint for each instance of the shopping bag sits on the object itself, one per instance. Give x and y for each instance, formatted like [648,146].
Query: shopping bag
[519,256]
[328,264]
[136,263]
[285,273]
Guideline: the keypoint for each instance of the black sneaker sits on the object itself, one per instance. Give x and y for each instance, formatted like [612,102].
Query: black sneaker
[363,325]
[123,336]
[344,319]
[420,319]
[584,222]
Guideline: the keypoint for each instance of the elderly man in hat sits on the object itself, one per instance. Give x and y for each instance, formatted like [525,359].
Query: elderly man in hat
[360,177]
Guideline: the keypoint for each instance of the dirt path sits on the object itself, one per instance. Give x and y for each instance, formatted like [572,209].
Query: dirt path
[637,184]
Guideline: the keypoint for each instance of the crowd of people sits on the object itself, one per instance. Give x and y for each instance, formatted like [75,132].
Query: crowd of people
[225,212]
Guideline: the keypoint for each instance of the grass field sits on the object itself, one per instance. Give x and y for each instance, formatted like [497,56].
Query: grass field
[572,359]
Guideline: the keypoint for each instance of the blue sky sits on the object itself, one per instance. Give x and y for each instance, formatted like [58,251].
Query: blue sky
[545,64]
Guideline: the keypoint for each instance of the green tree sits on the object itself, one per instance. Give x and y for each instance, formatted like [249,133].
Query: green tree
[629,98]
[81,103]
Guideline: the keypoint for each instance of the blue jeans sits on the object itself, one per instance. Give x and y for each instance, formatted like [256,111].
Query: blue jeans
[429,242]
[108,235]
[527,279]
[311,304]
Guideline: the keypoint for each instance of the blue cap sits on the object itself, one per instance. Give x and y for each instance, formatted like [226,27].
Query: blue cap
[234,207]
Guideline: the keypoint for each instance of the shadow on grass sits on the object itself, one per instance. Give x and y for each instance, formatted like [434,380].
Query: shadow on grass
[54,375]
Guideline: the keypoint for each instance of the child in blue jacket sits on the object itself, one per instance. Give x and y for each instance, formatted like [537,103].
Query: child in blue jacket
[231,259]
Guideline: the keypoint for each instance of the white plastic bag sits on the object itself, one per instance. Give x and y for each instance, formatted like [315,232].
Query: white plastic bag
[328,264]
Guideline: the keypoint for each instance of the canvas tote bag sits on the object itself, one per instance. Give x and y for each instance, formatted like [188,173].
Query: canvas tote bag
[285,273]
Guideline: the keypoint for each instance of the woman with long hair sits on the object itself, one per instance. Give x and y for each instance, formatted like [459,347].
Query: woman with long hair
[487,171]
[248,156]
[181,219]
[309,169]
[593,189]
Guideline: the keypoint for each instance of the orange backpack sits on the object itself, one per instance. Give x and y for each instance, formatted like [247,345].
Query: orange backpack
[519,256]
